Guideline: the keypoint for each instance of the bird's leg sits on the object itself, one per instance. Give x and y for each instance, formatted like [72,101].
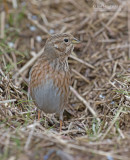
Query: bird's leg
[6,6]
[61,125]
[39,113]
[61,120]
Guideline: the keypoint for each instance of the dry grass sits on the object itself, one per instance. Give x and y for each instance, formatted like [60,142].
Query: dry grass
[97,122]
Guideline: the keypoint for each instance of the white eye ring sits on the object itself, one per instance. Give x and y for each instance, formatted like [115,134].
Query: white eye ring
[55,45]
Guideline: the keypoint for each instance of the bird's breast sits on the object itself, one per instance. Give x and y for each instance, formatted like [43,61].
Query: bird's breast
[47,96]
[49,89]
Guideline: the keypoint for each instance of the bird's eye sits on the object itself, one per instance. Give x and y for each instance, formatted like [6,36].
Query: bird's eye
[66,40]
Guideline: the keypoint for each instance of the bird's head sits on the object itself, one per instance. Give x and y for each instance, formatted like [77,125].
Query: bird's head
[60,45]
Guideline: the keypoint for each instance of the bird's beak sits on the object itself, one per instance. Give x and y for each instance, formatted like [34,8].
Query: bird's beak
[75,41]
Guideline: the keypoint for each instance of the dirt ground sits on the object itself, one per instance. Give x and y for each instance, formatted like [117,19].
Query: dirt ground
[97,120]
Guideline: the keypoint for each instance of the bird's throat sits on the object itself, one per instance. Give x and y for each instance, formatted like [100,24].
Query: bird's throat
[60,64]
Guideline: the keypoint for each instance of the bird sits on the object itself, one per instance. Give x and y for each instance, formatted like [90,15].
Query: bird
[49,77]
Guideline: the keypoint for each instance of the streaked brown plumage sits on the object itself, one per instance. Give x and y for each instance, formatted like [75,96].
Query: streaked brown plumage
[49,77]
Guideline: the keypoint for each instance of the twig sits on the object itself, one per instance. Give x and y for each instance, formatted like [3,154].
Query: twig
[6,6]
[37,24]
[81,61]
[116,14]
[2,24]
[2,73]
[29,63]
[80,75]
[98,152]
[8,101]
[14,2]
[121,134]
[84,101]
[128,2]
[113,122]
[111,20]
[30,136]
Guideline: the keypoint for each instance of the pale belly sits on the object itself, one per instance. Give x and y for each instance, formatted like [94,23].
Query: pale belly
[47,97]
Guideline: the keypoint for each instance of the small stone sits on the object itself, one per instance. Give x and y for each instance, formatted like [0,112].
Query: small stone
[7,26]
[34,17]
[110,157]
[32,28]
[112,102]
[23,4]
[113,82]
[51,31]
[127,98]
[127,103]
[11,44]
[38,38]
[101,96]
